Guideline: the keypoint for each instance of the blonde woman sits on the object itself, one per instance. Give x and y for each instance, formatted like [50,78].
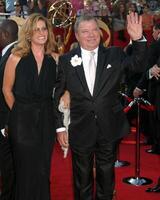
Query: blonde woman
[29,80]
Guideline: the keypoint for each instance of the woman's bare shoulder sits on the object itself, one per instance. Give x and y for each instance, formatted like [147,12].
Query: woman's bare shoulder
[13,59]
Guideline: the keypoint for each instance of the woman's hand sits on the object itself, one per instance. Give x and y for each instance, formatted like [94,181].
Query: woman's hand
[66,99]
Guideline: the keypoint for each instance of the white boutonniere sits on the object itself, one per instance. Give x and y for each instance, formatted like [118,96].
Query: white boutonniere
[75,61]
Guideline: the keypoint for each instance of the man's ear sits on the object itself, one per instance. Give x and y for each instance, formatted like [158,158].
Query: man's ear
[6,35]
[3,35]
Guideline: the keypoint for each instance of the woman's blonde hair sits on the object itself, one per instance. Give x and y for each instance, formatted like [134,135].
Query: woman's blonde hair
[23,46]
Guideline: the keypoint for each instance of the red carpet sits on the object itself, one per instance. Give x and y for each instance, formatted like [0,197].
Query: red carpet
[61,174]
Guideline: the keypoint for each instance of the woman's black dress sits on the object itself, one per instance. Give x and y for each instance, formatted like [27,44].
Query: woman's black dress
[32,127]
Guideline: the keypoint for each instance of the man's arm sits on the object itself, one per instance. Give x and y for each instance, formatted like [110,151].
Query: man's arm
[9,78]
[142,85]
[62,135]
[136,62]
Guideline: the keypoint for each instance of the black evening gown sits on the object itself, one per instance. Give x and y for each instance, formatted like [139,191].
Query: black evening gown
[32,127]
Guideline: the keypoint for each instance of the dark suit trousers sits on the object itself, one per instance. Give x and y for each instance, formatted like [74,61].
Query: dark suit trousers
[104,155]
[6,168]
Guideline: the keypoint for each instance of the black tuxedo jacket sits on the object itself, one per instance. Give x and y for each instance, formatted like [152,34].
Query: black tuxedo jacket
[152,85]
[103,110]
[4,110]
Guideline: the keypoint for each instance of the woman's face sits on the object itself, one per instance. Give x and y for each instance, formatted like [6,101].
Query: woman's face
[40,33]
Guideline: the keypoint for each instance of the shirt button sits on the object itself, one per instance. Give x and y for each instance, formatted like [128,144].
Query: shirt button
[95,116]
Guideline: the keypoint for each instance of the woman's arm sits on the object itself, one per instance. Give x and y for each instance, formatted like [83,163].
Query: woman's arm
[9,78]
[66,99]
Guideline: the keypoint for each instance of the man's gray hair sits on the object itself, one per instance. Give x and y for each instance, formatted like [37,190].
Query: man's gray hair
[84,18]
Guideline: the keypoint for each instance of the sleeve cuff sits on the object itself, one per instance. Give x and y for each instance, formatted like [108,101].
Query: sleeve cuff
[58,130]
[142,39]
[149,74]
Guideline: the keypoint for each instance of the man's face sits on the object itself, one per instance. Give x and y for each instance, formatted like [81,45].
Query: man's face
[88,35]
[156,33]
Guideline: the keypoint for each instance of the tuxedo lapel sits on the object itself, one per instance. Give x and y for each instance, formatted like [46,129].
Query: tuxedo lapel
[3,58]
[99,71]
[102,73]
[80,72]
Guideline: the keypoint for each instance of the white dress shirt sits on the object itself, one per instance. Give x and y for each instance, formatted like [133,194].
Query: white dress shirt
[85,59]
[4,50]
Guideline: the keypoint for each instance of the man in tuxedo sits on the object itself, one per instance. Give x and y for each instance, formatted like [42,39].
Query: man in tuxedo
[8,37]
[92,74]
[150,81]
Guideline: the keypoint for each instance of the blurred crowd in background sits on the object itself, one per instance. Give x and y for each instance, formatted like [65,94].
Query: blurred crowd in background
[112,13]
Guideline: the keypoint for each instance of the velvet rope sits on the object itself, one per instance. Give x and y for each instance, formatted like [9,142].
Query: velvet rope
[146,105]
